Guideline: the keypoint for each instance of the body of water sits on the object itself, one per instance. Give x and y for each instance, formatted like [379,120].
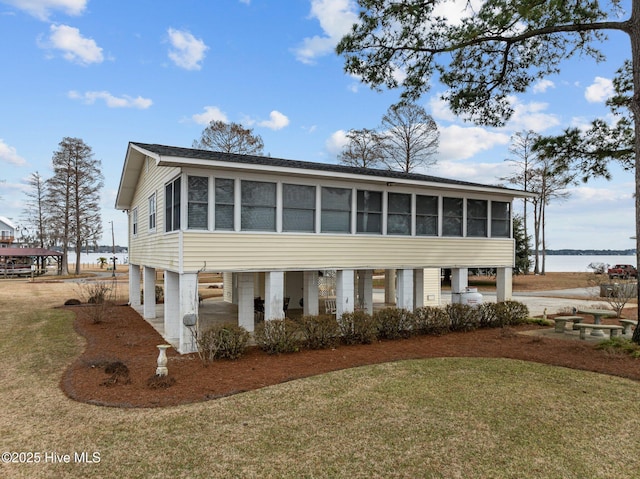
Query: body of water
[580,264]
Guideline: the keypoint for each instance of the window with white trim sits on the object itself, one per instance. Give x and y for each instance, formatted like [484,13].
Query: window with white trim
[426,215]
[225,200]
[452,216]
[477,218]
[134,221]
[369,219]
[335,214]
[398,214]
[172,205]
[298,208]
[258,206]
[152,212]
[500,219]
[198,202]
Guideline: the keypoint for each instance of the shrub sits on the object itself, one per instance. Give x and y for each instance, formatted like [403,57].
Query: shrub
[511,313]
[487,315]
[319,332]
[277,336]
[430,320]
[616,346]
[393,323]
[462,317]
[357,327]
[160,382]
[227,341]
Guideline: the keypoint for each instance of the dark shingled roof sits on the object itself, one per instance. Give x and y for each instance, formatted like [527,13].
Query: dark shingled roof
[179,152]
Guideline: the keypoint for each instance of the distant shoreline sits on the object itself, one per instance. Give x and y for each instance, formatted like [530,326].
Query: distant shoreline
[591,252]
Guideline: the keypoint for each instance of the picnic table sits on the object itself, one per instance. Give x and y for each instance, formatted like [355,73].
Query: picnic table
[598,314]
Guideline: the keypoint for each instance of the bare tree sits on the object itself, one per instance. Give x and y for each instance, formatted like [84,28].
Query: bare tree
[365,149]
[73,196]
[34,211]
[411,137]
[229,138]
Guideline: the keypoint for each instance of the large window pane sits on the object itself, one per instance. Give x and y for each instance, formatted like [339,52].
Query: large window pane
[336,210]
[399,214]
[426,215]
[369,219]
[198,203]
[298,208]
[500,219]
[452,216]
[172,205]
[224,192]
[477,218]
[258,206]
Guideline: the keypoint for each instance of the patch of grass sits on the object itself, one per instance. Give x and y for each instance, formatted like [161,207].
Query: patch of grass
[620,346]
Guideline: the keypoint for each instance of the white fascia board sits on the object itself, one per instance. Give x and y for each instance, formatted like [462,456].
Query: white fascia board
[196,162]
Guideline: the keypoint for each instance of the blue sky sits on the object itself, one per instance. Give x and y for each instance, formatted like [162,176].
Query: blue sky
[158,71]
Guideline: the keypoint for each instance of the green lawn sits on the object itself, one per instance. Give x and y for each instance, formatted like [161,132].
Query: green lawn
[438,418]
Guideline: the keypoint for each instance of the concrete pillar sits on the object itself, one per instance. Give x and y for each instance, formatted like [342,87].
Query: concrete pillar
[345,296]
[389,286]
[246,316]
[418,288]
[459,283]
[188,306]
[149,309]
[274,295]
[172,318]
[404,293]
[134,285]
[365,289]
[311,293]
[504,284]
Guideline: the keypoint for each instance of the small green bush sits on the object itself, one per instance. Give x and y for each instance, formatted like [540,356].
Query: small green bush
[462,317]
[227,341]
[430,320]
[357,327]
[620,346]
[511,313]
[319,332]
[393,323]
[277,336]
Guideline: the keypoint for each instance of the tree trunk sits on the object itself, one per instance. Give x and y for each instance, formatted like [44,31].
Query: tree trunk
[634,34]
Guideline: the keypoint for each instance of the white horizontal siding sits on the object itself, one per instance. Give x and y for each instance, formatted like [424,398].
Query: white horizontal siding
[262,252]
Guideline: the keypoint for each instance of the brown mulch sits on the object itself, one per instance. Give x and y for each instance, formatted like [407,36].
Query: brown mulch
[125,345]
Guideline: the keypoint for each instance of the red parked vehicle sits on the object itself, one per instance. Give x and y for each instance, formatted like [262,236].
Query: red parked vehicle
[624,271]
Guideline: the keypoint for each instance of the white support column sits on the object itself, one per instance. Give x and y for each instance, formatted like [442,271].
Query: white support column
[389,286]
[188,306]
[310,293]
[418,288]
[134,285]
[405,289]
[366,289]
[459,283]
[149,309]
[274,295]
[345,296]
[504,284]
[246,315]
[172,318]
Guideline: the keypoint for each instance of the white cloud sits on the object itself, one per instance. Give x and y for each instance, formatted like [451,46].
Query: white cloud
[110,100]
[485,173]
[440,109]
[9,154]
[599,90]
[42,9]
[543,85]
[459,143]
[336,18]
[74,46]
[211,113]
[276,121]
[336,142]
[187,51]
[531,116]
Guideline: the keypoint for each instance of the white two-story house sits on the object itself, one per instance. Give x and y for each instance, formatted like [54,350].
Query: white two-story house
[272,226]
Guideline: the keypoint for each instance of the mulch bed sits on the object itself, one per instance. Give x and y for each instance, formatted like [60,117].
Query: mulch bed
[124,345]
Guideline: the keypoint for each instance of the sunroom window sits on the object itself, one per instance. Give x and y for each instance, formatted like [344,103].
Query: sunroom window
[336,210]
[172,205]
[258,202]
[399,214]
[224,193]
[500,219]
[369,219]
[452,216]
[298,208]
[477,218]
[198,203]
[426,215]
